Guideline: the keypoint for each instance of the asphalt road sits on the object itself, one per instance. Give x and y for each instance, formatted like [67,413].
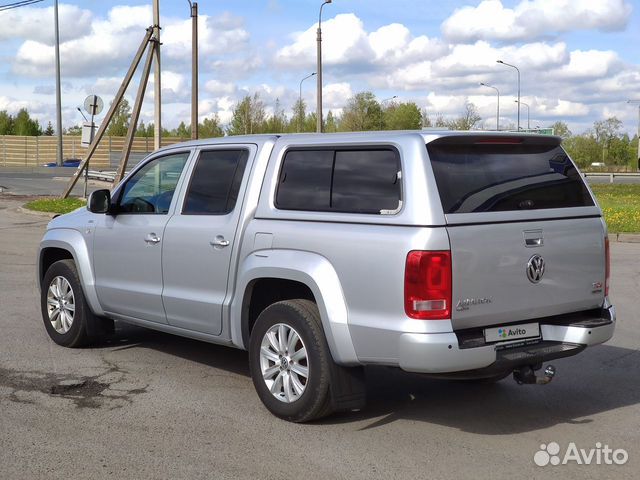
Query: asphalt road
[149,405]
[47,182]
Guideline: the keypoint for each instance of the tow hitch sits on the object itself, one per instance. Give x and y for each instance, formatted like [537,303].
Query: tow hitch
[527,375]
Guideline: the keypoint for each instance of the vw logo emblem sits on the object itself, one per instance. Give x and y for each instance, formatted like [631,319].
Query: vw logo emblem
[535,268]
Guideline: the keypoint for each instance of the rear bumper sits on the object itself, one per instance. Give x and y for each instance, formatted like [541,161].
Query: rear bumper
[441,352]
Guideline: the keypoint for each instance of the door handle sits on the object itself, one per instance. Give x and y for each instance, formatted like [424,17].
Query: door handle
[219,242]
[152,239]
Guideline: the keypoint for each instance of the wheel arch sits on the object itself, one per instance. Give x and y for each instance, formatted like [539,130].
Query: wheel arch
[279,274]
[63,244]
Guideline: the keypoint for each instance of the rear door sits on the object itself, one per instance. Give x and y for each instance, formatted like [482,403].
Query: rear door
[200,237]
[527,239]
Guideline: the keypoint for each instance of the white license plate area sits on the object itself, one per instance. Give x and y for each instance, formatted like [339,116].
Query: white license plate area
[509,333]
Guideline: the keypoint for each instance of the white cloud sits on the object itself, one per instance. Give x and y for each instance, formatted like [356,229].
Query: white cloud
[347,44]
[556,108]
[218,88]
[335,96]
[216,36]
[37,23]
[590,64]
[109,45]
[467,65]
[531,19]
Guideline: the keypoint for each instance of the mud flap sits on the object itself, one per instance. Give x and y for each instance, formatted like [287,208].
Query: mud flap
[348,388]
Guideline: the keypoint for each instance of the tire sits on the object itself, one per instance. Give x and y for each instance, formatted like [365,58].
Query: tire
[305,399]
[74,325]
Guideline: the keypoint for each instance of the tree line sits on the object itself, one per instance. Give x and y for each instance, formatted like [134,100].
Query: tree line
[22,124]
[604,143]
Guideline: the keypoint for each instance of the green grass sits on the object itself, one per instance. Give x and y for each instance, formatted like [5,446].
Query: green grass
[55,205]
[621,206]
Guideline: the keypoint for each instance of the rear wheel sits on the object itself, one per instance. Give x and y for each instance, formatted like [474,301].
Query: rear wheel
[66,315]
[290,361]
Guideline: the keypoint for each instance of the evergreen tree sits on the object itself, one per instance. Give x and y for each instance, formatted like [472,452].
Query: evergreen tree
[6,123]
[119,124]
[49,131]
[25,125]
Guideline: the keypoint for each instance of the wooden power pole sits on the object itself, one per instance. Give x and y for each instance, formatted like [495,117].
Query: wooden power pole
[157,83]
[151,41]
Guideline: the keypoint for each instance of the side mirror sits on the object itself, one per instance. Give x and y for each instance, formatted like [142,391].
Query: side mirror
[99,201]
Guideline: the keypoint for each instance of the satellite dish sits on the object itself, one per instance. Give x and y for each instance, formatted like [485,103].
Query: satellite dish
[93,104]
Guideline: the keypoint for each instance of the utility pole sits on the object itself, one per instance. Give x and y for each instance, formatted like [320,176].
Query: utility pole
[319,70]
[194,69]
[157,85]
[637,102]
[58,94]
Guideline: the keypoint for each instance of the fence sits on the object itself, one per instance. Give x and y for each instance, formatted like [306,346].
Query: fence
[17,151]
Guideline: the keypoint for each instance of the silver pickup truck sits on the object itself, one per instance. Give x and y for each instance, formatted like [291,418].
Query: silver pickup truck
[464,255]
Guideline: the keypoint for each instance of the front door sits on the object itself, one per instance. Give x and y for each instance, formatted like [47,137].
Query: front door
[128,245]
[199,239]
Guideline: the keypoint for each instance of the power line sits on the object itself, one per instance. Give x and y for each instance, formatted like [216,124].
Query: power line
[23,3]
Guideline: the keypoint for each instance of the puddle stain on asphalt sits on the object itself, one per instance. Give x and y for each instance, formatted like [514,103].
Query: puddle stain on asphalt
[85,391]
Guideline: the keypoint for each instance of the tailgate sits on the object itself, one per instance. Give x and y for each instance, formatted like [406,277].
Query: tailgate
[496,270]
[527,239]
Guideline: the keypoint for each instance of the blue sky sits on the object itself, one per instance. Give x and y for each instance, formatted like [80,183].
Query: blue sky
[579,59]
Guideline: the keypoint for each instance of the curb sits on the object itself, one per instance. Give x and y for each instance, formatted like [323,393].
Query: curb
[624,237]
[36,213]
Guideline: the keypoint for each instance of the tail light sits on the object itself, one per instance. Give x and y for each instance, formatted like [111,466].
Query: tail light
[607,266]
[427,285]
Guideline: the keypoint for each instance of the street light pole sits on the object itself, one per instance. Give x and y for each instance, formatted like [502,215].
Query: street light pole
[381,104]
[58,94]
[498,108]
[319,69]
[637,102]
[300,101]
[194,69]
[526,105]
[517,70]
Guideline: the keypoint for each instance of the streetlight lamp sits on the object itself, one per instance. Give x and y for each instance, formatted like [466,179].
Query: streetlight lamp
[517,70]
[381,104]
[194,69]
[637,102]
[526,105]
[300,100]
[498,108]
[319,69]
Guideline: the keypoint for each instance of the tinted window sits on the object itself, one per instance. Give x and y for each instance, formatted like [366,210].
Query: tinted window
[365,181]
[305,180]
[350,181]
[475,174]
[215,182]
[151,189]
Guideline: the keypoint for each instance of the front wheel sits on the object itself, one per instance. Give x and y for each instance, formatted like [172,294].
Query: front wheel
[66,315]
[290,361]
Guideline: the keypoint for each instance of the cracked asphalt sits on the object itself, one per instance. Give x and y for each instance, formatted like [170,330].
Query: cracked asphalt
[149,405]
